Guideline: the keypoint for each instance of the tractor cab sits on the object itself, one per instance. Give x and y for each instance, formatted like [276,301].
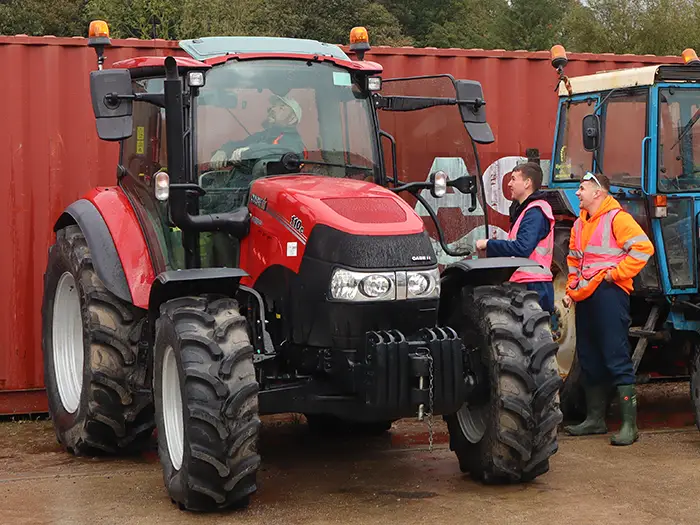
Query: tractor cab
[638,127]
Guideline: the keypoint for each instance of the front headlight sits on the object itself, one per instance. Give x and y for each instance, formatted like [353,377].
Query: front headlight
[423,284]
[347,285]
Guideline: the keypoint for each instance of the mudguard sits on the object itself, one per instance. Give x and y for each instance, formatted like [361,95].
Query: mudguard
[103,252]
[116,241]
[493,270]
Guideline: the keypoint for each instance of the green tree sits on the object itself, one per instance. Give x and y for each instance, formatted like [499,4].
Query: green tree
[533,25]
[144,19]
[39,17]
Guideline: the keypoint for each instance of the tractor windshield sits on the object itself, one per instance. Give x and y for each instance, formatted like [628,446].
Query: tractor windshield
[571,160]
[679,139]
[251,113]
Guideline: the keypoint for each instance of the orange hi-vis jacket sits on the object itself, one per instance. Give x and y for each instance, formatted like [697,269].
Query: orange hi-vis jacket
[610,239]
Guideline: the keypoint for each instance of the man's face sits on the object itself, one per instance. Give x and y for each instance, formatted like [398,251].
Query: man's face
[280,113]
[519,185]
[587,192]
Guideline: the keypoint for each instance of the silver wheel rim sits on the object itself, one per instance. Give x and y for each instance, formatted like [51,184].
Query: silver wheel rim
[565,335]
[472,421]
[67,342]
[172,409]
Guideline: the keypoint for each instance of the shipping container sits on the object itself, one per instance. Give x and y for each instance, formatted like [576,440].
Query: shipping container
[50,155]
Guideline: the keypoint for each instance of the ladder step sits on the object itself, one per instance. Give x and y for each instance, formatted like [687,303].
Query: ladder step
[639,331]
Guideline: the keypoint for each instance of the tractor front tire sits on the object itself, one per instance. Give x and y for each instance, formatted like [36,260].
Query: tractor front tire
[206,398]
[97,390]
[508,431]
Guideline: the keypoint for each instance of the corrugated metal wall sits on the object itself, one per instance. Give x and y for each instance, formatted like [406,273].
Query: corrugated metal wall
[50,155]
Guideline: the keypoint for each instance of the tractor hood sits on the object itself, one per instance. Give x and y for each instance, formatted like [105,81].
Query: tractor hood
[351,206]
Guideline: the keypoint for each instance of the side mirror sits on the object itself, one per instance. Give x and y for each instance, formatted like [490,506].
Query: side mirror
[472,106]
[113,113]
[591,132]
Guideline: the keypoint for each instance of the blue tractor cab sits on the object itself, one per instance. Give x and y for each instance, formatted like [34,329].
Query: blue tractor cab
[640,128]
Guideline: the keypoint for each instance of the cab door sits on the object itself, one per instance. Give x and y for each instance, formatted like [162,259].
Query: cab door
[674,184]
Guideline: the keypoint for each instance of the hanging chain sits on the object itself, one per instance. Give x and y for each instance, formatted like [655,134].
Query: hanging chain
[430,405]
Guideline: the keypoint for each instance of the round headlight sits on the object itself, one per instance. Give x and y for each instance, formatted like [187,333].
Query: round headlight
[418,284]
[343,285]
[375,285]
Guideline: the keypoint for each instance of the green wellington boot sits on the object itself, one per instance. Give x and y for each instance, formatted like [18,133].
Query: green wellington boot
[628,411]
[596,401]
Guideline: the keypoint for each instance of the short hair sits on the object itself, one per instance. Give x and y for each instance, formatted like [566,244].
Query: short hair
[532,171]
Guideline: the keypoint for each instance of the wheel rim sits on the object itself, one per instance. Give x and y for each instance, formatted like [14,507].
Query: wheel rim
[67,342]
[565,335]
[472,421]
[172,408]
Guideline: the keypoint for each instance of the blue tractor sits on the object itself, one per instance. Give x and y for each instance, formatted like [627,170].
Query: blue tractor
[640,128]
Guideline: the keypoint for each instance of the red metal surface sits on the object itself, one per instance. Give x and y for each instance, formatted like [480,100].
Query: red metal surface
[50,154]
[185,62]
[122,223]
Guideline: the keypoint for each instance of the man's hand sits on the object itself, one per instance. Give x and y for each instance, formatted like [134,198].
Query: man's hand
[218,160]
[481,244]
[236,156]
[608,276]
[566,301]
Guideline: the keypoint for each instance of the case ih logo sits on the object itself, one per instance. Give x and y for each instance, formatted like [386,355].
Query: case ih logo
[258,201]
[297,224]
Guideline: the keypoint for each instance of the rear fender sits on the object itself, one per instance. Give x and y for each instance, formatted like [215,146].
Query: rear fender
[117,245]
[99,215]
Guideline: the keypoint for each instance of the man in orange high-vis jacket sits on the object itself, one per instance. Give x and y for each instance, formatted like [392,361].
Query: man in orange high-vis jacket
[531,233]
[607,249]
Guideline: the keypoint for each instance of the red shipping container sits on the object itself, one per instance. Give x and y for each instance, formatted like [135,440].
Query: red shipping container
[50,155]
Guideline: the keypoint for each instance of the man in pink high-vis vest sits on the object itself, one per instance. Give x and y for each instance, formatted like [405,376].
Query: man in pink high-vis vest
[531,233]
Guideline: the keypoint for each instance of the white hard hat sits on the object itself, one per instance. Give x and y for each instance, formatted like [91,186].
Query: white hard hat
[289,102]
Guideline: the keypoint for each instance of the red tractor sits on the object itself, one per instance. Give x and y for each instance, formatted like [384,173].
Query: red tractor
[254,258]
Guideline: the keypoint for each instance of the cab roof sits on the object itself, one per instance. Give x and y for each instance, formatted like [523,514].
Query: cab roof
[216,46]
[632,77]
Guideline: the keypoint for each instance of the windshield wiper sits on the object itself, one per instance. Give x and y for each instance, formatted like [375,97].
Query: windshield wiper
[687,127]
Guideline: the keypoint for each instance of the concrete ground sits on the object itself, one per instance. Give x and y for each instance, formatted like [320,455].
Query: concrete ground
[390,479]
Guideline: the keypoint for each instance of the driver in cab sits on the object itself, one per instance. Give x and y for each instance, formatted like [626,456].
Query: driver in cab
[279,132]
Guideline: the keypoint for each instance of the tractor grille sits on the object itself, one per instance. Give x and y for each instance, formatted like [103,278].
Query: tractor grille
[367,210]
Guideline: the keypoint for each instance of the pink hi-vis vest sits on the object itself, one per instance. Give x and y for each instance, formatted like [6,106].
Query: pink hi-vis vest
[602,251]
[543,252]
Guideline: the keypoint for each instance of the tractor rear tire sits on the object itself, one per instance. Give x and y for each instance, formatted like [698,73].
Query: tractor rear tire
[509,432]
[206,398]
[99,399]
[572,398]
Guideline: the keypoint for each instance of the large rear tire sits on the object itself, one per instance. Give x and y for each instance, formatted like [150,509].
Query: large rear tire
[573,401]
[507,431]
[206,398]
[98,397]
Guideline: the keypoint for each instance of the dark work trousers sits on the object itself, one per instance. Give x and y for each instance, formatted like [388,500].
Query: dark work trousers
[602,346]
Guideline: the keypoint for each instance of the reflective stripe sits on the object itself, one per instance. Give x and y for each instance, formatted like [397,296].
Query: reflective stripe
[573,269]
[602,250]
[635,240]
[639,255]
[543,250]
[576,254]
[605,264]
[535,270]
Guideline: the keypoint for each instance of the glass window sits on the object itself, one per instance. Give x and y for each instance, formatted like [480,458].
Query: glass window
[571,160]
[624,129]
[142,156]
[678,234]
[251,113]
[679,140]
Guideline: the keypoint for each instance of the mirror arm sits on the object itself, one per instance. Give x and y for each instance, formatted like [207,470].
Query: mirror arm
[441,235]
[158,99]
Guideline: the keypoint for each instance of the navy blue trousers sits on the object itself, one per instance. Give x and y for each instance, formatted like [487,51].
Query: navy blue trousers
[602,344]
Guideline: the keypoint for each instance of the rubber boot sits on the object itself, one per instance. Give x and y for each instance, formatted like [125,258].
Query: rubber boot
[596,401]
[628,411]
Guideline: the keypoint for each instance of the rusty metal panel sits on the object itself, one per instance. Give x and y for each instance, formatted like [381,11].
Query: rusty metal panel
[50,154]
